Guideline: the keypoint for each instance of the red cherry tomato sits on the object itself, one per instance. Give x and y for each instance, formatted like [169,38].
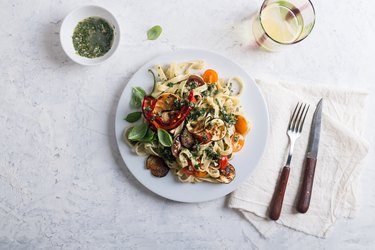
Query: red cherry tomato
[223,162]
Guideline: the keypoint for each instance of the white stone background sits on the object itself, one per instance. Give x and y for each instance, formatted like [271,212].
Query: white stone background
[63,184]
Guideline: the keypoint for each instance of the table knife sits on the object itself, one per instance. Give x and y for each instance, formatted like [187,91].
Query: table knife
[310,160]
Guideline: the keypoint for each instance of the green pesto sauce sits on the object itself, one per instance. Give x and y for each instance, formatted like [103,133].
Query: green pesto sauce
[92,37]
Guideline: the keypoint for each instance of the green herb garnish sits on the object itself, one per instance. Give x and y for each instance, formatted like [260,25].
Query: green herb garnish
[133,117]
[149,136]
[154,32]
[212,154]
[137,97]
[165,138]
[138,132]
[228,118]
[148,108]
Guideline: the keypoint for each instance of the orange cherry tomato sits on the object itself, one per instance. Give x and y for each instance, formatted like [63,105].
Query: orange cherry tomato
[200,174]
[210,76]
[241,125]
[237,141]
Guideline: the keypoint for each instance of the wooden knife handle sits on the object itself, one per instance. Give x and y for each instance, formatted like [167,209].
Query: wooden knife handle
[278,197]
[307,184]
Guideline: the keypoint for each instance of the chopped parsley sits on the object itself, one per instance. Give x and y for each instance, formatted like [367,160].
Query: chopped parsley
[230,87]
[205,137]
[191,85]
[211,90]
[228,118]
[196,113]
[211,153]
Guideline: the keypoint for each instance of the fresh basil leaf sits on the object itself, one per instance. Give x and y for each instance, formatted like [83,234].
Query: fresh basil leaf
[138,132]
[154,32]
[133,117]
[137,97]
[165,138]
[149,137]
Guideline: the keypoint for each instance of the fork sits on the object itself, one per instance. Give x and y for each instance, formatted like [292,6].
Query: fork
[295,127]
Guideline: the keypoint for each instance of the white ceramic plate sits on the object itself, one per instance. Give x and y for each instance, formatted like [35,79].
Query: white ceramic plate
[245,161]
[71,21]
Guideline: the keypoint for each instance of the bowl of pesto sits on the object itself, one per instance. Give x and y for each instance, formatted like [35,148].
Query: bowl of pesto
[89,35]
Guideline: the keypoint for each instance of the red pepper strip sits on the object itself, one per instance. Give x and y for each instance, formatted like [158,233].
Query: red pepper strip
[191,97]
[185,111]
[148,106]
[150,102]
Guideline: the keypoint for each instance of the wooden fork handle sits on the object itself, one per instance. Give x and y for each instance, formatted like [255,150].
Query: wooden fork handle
[278,197]
[307,184]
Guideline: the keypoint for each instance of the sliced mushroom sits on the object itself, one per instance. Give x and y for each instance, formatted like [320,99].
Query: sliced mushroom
[187,139]
[157,166]
[227,175]
[195,79]
[196,126]
[216,127]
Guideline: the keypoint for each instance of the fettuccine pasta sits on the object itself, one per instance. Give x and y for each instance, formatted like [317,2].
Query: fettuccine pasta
[202,116]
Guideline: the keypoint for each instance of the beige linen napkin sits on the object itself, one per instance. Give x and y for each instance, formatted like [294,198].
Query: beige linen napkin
[341,152]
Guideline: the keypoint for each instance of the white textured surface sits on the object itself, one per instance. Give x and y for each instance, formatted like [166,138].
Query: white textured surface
[62,182]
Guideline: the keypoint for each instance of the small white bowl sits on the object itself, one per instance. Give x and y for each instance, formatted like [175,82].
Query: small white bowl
[71,21]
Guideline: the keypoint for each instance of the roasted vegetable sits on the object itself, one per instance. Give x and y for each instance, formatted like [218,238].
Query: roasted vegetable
[216,127]
[157,166]
[227,174]
[195,127]
[187,139]
[161,112]
[203,137]
[238,141]
[194,81]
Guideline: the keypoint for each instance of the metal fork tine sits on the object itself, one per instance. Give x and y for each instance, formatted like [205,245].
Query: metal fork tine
[296,118]
[292,117]
[300,118]
[304,117]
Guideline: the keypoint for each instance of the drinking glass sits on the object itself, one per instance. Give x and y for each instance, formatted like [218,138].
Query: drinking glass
[281,23]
